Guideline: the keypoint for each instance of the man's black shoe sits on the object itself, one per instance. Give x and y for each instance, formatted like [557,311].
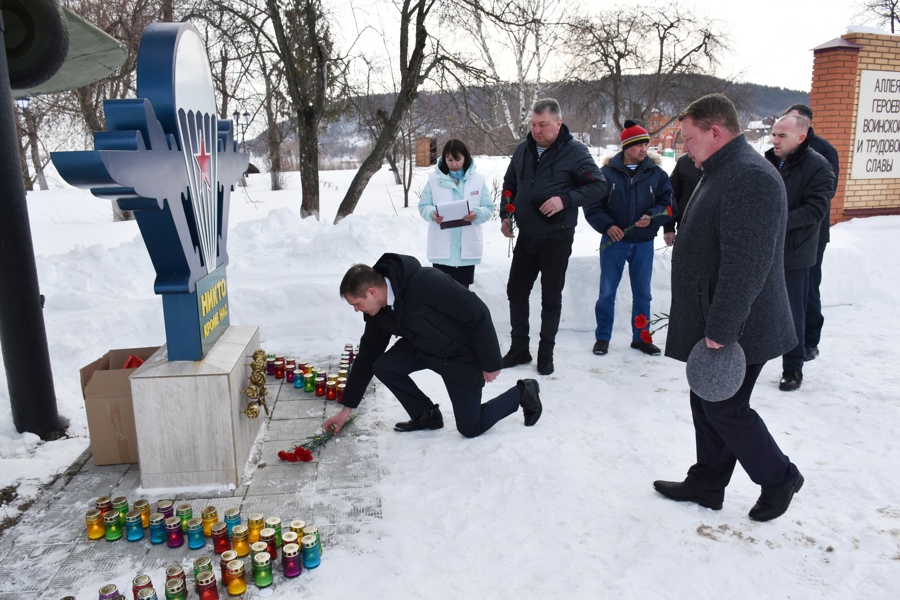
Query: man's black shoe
[811,354]
[790,381]
[516,357]
[430,419]
[545,364]
[646,348]
[680,492]
[774,501]
[530,400]
[601,347]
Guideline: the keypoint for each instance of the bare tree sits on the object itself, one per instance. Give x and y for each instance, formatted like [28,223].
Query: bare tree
[642,56]
[882,12]
[529,30]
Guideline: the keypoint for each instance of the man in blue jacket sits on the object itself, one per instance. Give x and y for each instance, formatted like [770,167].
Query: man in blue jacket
[443,327]
[638,190]
[549,177]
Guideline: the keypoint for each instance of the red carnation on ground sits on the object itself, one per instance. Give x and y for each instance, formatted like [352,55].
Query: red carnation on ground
[302,452]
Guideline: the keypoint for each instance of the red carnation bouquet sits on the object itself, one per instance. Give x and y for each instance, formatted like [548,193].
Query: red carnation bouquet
[644,324]
[511,213]
[663,213]
[302,452]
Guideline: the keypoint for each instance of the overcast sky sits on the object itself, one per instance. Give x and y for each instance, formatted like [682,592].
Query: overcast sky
[772,40]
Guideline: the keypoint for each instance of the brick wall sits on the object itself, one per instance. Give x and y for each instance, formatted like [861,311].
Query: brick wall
[834,98]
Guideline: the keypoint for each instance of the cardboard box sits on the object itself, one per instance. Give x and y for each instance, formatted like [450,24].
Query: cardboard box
[107,402]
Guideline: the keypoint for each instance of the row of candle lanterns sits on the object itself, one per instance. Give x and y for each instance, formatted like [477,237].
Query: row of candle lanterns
[311,379]
[170,524]
[233,573]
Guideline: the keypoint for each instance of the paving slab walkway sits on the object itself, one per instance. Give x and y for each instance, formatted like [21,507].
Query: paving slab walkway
[47,555]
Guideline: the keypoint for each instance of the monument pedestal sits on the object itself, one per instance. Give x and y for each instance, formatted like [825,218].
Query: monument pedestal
[191,428]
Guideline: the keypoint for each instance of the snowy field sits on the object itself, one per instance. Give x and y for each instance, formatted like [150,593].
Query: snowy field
[565,508]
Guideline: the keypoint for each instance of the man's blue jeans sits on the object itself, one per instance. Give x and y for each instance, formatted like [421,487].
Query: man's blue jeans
[639,257]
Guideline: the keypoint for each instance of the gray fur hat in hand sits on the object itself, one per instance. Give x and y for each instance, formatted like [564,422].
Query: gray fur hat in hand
[716,375]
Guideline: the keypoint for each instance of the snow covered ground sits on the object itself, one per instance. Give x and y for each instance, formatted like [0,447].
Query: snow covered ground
[565,507]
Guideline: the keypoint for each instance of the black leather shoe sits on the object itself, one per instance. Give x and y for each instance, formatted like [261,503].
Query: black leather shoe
[811,354]
[430,419]
[790,381]
[545,364]
[774,501]
[530,400]
[601,347]
[680,492]
[516,357]
[646,348]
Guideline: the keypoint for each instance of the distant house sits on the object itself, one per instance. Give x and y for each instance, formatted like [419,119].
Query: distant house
[663,133]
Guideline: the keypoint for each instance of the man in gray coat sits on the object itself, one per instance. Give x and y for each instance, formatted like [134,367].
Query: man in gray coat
[727,288]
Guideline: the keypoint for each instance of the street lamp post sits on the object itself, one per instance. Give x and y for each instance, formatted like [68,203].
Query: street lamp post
[242,121]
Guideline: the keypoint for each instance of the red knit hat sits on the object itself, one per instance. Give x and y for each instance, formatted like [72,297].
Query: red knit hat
[633,134]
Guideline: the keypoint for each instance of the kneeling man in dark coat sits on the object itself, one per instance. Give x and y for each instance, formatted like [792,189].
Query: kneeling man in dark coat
[443,327]
[728,288]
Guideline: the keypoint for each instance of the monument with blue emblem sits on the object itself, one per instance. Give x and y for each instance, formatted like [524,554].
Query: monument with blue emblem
[167,157]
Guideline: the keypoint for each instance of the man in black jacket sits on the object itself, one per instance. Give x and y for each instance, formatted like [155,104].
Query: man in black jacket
[549,177]
[443,327]
[684,177]
[814,318]
[809,182]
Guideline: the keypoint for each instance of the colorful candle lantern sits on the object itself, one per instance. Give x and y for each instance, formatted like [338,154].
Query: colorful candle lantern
[147,594]
[289,375]
[275,523]
[239,540]
[291,561]
[255,524]
[139,583]
[237,580]
[297,527]
[330,390]
[109,591]
[289,537]
[279,369]
[134,528]
[219,532]
[340,392]
[195,537]
[210,516]
[313,530]
[185,513]
[267,535]
[320,386]
[262,570]
[206,586]
[297,378]
[290,364]
[166,507]
[270,366]
[143,506]
[103,504]
[174,533]
[257,547]
[303,367]
[120,503]
[311,557]
[309,384]
[201,565]
[232,518]
[113,527]
[176,572]
[227,557]
[175,590]
[157,528]
[93,519]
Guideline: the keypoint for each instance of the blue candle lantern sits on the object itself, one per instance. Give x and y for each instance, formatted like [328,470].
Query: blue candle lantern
[157,528]
[195,536]
[134,526]
[232,518]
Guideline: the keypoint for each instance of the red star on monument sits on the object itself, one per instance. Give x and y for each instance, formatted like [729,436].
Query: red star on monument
[203,162]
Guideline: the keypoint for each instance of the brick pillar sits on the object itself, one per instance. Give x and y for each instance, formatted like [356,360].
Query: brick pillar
[833,100]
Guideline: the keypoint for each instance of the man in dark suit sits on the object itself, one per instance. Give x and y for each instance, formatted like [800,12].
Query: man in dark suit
[809,183]
[814,318]
[443,327]
[727,288]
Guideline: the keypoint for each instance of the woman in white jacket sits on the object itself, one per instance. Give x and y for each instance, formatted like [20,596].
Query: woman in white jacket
[456,251]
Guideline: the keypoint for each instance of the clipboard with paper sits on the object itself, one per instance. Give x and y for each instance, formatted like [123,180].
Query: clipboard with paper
[453,213]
